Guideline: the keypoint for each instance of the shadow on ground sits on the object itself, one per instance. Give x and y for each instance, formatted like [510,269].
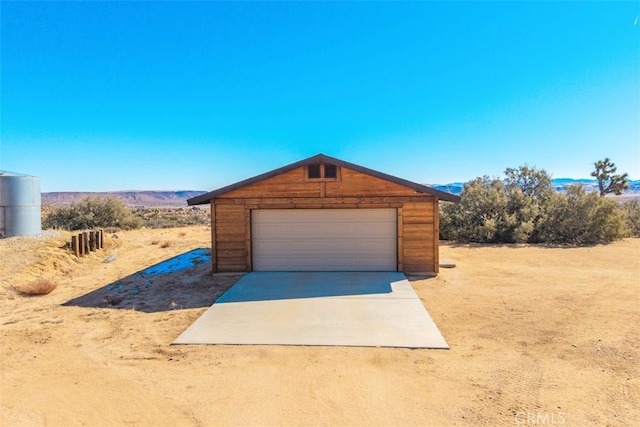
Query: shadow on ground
[181,282]
[264,286]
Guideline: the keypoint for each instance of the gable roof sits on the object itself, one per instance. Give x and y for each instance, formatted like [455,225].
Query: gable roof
[322,158]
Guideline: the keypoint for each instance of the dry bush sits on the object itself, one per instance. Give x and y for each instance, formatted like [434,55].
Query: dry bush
[37,287]
[173,217]
[155,242]
[524,208]
[580,218]
[632,212]
[92,212]
[165,245]
[182,234]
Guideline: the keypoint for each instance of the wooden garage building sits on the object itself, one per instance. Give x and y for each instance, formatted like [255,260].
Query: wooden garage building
[324,214]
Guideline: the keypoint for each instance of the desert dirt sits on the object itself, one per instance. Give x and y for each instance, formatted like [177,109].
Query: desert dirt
[538,335]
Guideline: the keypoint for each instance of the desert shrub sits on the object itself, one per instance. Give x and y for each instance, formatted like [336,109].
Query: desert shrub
[632,214]
[498,211]
[477,217]
[524,208]
[581,218]
[173,217]
[93,212]
[487,213]
[37,287]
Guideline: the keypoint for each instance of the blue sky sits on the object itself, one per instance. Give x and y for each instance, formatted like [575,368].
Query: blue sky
[99,96]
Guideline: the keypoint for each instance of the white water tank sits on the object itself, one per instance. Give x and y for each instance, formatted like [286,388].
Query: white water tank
[20,205]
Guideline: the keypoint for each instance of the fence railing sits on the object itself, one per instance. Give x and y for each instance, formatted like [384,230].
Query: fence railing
[87,241]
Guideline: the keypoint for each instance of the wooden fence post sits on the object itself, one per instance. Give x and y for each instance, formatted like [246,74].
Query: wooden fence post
[87,241]
[85,237]
[81,244]
[74,245]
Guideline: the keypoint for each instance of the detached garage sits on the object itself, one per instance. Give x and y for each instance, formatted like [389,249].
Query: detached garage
[324,214]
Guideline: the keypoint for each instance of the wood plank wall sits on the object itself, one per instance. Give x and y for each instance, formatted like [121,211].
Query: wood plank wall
[230,248]
[417,215]
[418,249]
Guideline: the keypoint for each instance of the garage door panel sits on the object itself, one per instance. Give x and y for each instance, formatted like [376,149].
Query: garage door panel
[306,230]
[311,230]
[340,247]
[324,239]
[303,263]
[341,215]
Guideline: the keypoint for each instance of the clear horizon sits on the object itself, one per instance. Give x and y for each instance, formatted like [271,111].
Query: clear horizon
[129,190]
[164,96]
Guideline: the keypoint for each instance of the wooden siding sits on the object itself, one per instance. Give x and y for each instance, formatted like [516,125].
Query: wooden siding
[358,184]
[417,215]
[294,184]
[418,247]
[289,184]
[230,238]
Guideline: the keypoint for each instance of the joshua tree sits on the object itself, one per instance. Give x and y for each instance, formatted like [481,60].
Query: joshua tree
[608,180]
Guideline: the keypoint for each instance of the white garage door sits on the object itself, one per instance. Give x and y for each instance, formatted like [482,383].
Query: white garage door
[324,239]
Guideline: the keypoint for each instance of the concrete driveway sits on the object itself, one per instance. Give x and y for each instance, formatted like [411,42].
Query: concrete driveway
[325,308]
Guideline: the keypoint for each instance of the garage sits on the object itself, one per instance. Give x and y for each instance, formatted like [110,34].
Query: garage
[324,239]
[324,214]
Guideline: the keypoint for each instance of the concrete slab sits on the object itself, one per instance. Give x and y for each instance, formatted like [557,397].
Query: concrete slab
[324,308]
[447,263]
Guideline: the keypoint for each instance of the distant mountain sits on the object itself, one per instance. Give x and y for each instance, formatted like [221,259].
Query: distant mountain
[453,188]
[153,199]
[558,184]
[168,199]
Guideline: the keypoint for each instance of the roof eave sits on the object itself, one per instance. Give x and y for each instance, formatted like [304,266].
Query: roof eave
[205,198]
[419,188]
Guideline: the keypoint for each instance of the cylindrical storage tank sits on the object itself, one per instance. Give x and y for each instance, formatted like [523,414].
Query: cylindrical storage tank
[20,205]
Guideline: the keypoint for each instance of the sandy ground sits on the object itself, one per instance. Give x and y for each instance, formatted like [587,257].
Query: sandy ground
[538,336]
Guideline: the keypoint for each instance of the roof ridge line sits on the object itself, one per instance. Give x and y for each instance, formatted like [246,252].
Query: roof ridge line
[420,188]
